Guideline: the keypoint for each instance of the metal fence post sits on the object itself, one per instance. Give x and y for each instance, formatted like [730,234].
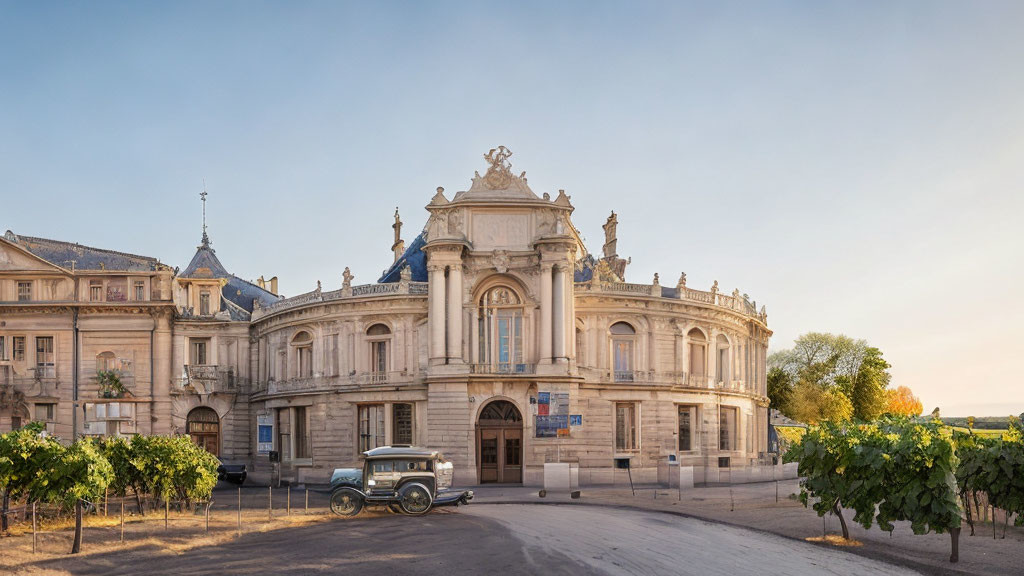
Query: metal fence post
[167,510]
[289,500]
[239,511]
[306,511]
[270,503]
[208,504]
[33,527]
[122,519]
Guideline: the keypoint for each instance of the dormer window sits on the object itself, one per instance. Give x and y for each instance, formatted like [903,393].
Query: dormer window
[95,290]
[204,303]
[501,330]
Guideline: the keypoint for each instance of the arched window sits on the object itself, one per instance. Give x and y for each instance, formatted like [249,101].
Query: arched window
[106,361]
[379,335]
[302,342]
[501,330]
[722,359]
[698,355]
[623,344]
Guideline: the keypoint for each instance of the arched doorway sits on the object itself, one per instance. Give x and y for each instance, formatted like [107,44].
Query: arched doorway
[203,425]
[499,443]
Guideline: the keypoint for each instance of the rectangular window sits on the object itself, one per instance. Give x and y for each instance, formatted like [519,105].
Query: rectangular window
[3,349]
[401,423]
[204,303]
[626,426]
[727,429]
[623,353]
[140,290]
[380,357]
[198,353]
[44,356]
[687,428]
[750,433]
[24,291]
[95,290]
[371,426]
[44,412]
[302,440]
[305,358]
[697,360]
[18,348]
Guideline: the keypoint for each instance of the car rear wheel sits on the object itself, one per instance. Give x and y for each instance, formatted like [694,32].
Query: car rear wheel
[346,502]
[416,499]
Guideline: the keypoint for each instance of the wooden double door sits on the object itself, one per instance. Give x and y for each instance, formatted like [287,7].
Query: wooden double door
[499,444]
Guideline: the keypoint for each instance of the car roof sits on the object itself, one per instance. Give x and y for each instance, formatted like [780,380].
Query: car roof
[400,451]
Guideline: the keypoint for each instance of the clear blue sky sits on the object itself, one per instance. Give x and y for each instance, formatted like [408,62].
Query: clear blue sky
[856,166]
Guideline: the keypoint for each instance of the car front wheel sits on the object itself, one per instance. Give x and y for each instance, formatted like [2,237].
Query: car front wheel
[416,499]
[346,502]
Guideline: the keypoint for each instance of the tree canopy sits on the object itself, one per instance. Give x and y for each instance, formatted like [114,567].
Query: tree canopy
[828,377]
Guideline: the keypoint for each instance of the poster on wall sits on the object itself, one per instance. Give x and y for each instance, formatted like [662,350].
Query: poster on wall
[552,415]
[264,433]
[552,426]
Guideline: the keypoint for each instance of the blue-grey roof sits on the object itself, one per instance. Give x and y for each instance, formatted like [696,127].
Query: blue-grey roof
[239,292]
[242,293]
[414,257]
[70,255]
[204,264]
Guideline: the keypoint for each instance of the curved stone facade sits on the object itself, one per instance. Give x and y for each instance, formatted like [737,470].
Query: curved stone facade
[587,368]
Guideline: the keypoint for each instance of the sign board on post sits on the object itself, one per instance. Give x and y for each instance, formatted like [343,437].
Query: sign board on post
[264,433]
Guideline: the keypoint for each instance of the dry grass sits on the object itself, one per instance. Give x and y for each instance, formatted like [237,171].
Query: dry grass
[143,535]
[835,540]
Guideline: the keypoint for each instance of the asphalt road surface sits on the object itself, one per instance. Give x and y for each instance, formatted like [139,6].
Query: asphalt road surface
[501,540]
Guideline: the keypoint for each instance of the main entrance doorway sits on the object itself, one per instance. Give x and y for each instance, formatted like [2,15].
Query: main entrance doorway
[203,426]
[499,443]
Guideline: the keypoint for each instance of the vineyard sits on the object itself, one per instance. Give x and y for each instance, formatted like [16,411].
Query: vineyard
[897,469]
[37,469]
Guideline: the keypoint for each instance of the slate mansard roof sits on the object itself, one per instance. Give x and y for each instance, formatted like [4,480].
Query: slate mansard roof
[239,292]
[75,256]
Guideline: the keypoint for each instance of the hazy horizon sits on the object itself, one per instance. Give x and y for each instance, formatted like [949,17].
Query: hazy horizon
[854,167]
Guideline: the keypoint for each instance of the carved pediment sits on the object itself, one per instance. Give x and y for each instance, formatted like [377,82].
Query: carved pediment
[15,258]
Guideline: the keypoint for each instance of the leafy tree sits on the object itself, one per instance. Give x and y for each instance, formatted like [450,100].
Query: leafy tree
[813,403]
[901,400]
[868,394]
[895,469]
[41,469]
[780,389]
[828,365]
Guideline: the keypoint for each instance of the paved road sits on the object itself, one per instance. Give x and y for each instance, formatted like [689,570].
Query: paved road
[494,539]
[617,542]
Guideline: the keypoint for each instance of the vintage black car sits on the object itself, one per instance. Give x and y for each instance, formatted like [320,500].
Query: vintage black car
[234,473]
[406,479]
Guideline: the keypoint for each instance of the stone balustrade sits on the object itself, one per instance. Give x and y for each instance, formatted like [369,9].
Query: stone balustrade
[362,291]
[712,298]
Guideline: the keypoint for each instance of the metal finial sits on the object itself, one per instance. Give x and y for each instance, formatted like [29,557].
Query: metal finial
[202,195]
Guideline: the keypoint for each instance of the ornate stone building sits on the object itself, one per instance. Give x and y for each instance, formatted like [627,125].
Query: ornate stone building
[495,336]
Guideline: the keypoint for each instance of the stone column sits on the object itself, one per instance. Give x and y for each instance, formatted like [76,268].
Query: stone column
[545,314]
[161,407]
[436,290]
[455,314]
[558,315]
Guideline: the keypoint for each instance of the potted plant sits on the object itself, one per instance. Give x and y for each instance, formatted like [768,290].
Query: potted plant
[110,384]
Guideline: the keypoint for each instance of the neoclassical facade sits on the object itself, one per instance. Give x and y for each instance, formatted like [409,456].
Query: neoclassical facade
[494,336]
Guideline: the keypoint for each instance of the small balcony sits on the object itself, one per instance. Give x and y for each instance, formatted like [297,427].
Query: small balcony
[209,378]
[504,368]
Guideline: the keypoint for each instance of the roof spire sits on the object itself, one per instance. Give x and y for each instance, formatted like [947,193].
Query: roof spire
[399,246]
[202,195]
